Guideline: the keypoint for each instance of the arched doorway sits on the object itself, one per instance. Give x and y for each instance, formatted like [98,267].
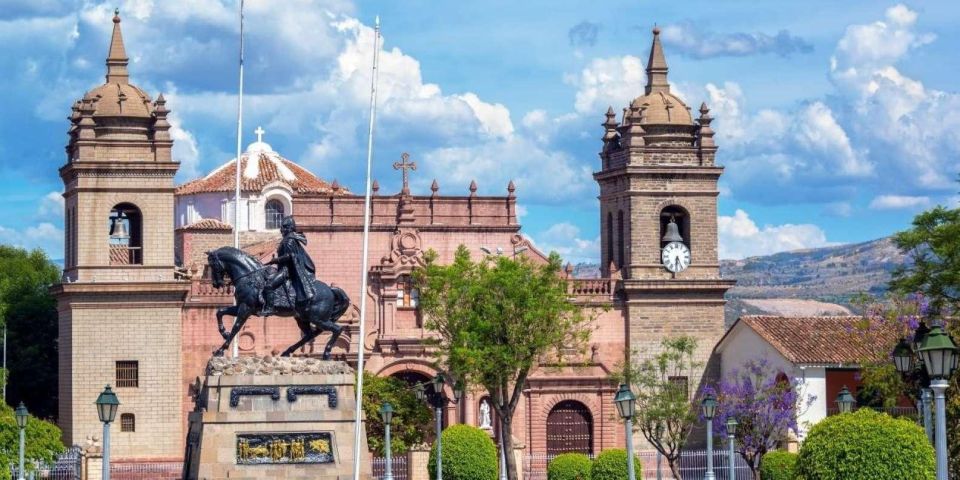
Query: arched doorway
[569,428]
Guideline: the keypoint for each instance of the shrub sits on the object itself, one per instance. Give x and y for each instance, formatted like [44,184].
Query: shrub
[778,465]
[612,465]
[468,454]
[569,466]
[866,444]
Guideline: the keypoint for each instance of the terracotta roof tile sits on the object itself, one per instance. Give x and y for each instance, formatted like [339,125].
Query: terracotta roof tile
[270,168]
[208,224]
[816,340]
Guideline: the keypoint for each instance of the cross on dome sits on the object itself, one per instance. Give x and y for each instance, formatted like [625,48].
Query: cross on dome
[259,131]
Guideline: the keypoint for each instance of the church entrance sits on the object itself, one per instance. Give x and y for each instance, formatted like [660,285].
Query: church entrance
[569,429]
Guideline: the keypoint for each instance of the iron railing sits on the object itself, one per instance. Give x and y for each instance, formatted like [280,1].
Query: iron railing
[399,467]
[693,466]
[65,467]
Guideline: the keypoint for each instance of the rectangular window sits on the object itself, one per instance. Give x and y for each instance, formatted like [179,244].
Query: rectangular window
[128,422]
[681,384]
[128,373]
[407,295]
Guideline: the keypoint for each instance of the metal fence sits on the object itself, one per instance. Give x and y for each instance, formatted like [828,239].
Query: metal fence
[399,467]
[692,466]
[65,467]
[146,471]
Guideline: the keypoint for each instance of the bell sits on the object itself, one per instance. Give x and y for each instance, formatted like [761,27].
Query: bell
[673,233]
[118,230]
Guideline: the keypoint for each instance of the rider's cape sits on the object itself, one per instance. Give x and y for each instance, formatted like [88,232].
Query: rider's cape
[300,268]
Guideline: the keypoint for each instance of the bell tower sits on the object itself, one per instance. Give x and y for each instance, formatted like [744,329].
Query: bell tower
[119,302]
[658,216]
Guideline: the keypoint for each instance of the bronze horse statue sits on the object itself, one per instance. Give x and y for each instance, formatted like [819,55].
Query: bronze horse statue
[249,276]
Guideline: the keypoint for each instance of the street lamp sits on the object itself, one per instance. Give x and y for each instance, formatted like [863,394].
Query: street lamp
[845,400]
[22,415]
[731,462]
[939,355]
[626,404]
[438,399]
[386,414]
[903,357]
[709,407]
[107,404]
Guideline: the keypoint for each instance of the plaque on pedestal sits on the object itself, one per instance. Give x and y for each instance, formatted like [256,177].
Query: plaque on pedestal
[276,418]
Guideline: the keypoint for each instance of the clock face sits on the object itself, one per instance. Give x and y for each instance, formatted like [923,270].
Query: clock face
[675,257]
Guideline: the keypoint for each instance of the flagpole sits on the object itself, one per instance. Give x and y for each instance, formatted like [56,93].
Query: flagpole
[236,193]
[358,422]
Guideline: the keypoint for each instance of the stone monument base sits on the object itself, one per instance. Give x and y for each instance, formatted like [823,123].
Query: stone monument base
[276,418]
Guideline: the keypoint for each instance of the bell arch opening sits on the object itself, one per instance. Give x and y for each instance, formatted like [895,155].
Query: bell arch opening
[678,215]
[125,237]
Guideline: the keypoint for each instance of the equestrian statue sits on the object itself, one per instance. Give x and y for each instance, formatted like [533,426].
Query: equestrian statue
[288,290]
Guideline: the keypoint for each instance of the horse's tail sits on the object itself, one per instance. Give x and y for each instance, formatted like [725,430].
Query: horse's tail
[341,302]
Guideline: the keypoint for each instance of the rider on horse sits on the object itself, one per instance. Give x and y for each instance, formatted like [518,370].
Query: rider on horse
[292,263]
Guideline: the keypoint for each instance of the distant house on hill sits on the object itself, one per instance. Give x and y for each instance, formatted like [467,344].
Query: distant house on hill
[822,353]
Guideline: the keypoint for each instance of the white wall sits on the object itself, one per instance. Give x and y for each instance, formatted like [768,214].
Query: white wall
[813,381]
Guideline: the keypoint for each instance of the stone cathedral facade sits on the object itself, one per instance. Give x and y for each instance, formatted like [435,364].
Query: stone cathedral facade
[138,312]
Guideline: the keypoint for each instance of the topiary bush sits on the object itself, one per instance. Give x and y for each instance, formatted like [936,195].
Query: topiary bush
[468,454]
[866,444]
[612,465]
[569,466]
[778,465]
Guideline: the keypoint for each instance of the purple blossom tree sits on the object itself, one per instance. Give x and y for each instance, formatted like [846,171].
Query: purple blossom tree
[765,405]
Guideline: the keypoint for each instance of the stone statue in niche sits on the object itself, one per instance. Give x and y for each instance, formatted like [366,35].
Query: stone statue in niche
[485,421]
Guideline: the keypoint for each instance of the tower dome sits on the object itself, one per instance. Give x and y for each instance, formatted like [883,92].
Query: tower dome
[660,107]
[117,97]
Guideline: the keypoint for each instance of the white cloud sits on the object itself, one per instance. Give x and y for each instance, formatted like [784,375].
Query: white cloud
[51,205]
[45,236]
[696,42]
[613,81]
[894,202]
[564,238]
[740,237]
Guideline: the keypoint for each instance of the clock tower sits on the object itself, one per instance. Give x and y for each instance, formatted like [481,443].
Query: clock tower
[658,217]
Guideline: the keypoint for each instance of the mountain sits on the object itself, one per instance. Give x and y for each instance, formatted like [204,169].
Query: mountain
[818,281]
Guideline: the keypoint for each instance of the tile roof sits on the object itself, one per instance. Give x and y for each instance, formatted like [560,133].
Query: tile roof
[269,167]
[208,224]
[815,340]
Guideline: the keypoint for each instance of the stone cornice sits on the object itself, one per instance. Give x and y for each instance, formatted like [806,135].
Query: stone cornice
[647,170]
[142,169]
[677,285]
[173,288]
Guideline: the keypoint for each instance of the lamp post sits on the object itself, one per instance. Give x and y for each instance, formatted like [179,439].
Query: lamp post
[709,407]
[438,399]
[926,400]
[845,400]
[22,414]
[386,414]
[940,356]
[107,404]
[626,404]
[731,432]
[911,367]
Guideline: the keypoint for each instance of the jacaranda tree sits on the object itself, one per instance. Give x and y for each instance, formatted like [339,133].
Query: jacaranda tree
[765,406]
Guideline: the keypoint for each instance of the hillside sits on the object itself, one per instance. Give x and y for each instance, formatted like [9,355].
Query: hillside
[817,281]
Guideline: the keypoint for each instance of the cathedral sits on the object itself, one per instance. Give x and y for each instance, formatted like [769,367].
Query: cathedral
[138,311]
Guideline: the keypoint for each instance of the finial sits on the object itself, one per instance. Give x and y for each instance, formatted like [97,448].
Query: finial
[656,29]
[511,188]
[160,99]
[473,187]
[117,55]
[335,186]
[703,108]
[116,15]
[657,66]
[434,187]
[375,187]
[568,268]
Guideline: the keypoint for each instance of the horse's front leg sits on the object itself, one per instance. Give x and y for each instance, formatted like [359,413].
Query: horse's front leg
[232,311]
[243,312]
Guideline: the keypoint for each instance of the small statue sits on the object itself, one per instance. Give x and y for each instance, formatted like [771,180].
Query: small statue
[485,421]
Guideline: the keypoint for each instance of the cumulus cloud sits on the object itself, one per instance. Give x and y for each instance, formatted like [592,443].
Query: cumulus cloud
[51,205]
[564,238]
[583,34]
[687,38]
[740,237]
[45,236]
[895,202]
[613,81]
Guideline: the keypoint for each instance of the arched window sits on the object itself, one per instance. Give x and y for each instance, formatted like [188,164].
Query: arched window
[621,261]
[680,216]
[128,422]
[273,212]
[609,240]
[569,428]
[126,235]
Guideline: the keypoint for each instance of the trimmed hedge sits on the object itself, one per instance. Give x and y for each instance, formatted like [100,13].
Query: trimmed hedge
[569,466]
[468,454]
[866,444]
[778,465]
[612,465]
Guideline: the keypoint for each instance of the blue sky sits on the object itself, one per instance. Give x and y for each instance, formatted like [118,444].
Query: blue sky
[835,124]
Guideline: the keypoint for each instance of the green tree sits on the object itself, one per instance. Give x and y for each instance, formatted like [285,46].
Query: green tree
[42,441]
[411,417]
[664,413]
[30,314]
[495,319]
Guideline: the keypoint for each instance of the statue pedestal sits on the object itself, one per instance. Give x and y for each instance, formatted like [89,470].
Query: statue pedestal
[276,418]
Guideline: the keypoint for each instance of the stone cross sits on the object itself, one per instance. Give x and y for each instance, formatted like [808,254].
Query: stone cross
[259,131]
[403,165]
